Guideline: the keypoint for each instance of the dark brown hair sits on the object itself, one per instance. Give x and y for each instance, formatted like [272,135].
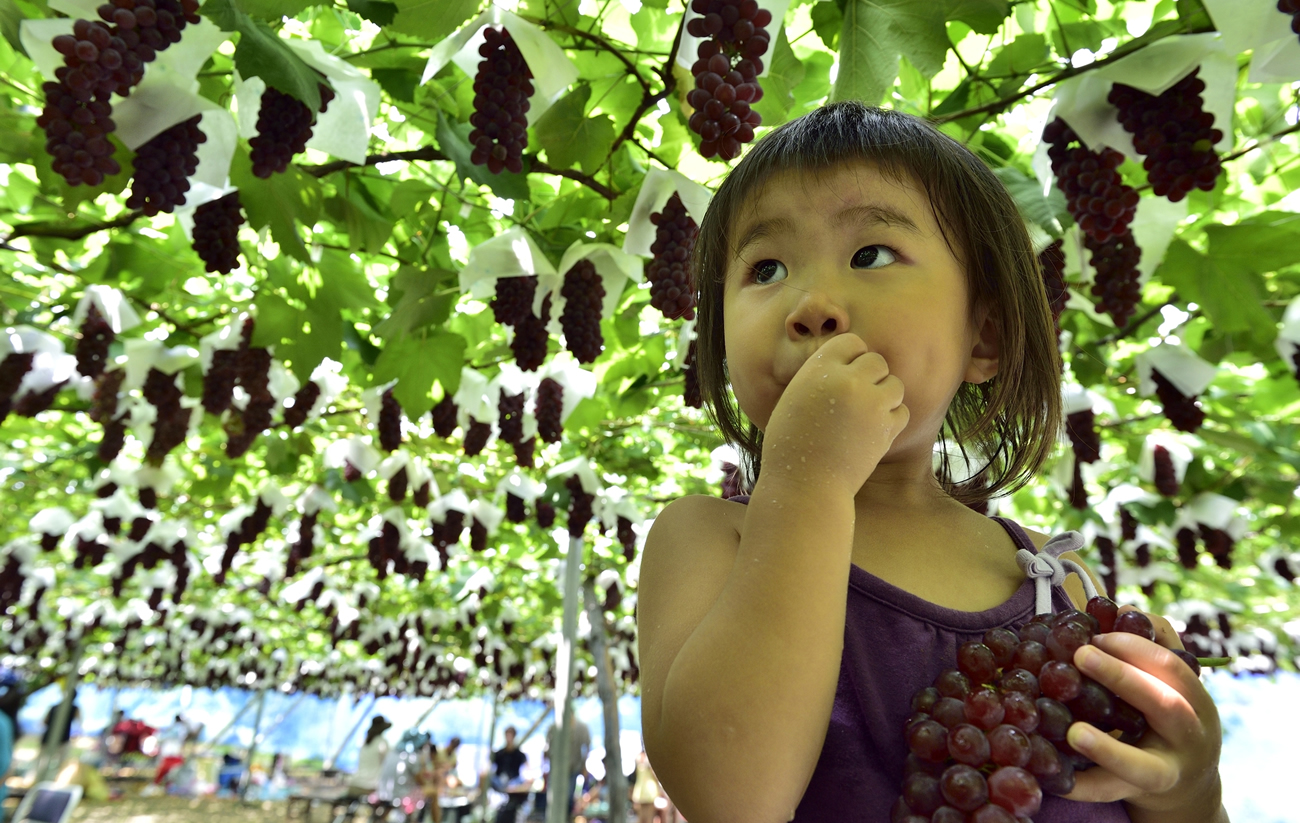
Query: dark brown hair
[1010,422]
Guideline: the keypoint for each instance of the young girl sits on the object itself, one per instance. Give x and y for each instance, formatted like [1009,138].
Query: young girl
[867,288]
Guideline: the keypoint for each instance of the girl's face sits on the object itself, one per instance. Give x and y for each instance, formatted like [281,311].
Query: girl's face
[851,250]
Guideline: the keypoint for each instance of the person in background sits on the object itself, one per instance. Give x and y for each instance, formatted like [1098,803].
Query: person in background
[594,803]
[110,743]
[450,757]
[12,697]
[646,790]
[430,777]
[366,779]
[171,747]
[506,764]
[60,750]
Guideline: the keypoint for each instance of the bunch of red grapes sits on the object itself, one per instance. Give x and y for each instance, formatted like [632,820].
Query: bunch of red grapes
[1166,476]
[581,505]
[584,296]
[443,415]
[1052,261]
[672,289]
[513,306]
[284,125]
[390,422]
[989,737]
[1175,134]
[726,73]
[216,233]
[502,87]
[13,368]
[691,388]
[1182,411]
[1103,206]
[93,339]
[303,401]
[1081,428]
[163,166]
[1291,7]
[101,59]
[550,408]
[173,420]
[304,546]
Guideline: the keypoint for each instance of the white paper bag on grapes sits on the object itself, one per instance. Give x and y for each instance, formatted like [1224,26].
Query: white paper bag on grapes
[553,71]
[686,50]
[472,400]
[1082,101]
[111,305]
[582,469]
[1288,337]
[1178,445]
[614,266]
[1181,367]
[521,486]
[512,253]
[657,187]
[354,450]
[577,382]
[454,500]
[1218,512]
[1258,26]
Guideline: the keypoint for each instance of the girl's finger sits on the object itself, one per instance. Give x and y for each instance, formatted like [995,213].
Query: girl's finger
[1098,785]
[1149,770]
[1136,678]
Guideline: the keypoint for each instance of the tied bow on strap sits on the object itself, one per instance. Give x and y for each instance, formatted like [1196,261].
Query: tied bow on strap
[1046,570]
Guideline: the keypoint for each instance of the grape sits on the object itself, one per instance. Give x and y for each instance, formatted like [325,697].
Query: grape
[477,437]
[1052,262]
[302,549]
[964,788]
[1166,477]
[580,506]
[33,403]
[1020,711]
[626,537]
[1018,680]
[1106,552]
[1015,790]
[1009,746]
[172,423]
[306,397]
[921,793]
[477,536]
[1219,544]
[104,403]
[1175,134]
[550,405]
[514,299]
[726,73]
[516,509]
[1190,659]
[1186,539]
[162,168]
[1129,720]
[1083,436]
[1062,642]
[691,387]
[1060,681]
[397,485]
[510,408]
[928,740]
[975,660]
[502,87]
[584,294]
[1135,622]
[947,814]
[967,744]
[149,497]
[545,514]
[253,371]
[1142,555]
[1105,611]
[1095,705]
[93,340]
[1183,411]
[991,813]
[113,440]
[984,708]
[524,452]
[952,683]
[220,379]
[949,712]
[1054,719]
[1095,194]
[216,233]
[1036,630]
[672,288]
[1115,284]
[531,338]
[284,125]
[13,368]
[1002,642]
[390,422]
[444,416]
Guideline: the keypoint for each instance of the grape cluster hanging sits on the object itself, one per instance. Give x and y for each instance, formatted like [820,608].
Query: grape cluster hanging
[726,73]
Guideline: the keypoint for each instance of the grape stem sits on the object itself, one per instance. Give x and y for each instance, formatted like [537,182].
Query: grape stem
[1213,662]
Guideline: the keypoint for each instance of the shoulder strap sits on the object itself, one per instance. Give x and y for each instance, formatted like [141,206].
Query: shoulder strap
[1044,567]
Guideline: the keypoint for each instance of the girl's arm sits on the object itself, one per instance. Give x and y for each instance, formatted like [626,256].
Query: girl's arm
[740,639]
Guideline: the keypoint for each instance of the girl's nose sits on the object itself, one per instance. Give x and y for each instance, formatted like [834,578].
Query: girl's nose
[816,316]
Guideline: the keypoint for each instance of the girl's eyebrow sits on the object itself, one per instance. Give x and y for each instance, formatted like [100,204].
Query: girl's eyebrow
[869,214]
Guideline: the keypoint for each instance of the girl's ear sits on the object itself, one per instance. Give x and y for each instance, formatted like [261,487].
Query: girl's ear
[986,350]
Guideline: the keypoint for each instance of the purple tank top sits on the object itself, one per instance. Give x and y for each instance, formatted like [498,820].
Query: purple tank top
[895,644]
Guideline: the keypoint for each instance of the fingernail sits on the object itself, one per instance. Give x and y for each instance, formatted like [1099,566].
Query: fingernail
[1088,659]
[1082,737]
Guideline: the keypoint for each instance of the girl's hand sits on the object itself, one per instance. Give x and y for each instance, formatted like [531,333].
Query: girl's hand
[837,417]
[1175,766]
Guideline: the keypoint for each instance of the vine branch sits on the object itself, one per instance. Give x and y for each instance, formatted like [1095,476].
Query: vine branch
[66,232]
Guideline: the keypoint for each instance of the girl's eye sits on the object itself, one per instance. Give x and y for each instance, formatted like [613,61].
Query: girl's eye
[872,257]
[769,271]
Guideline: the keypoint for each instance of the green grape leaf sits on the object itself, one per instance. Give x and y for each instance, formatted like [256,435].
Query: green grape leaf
[570,136]
[433,19]
[416,363]
[983,16]
[376,11]
[262,53]
[873,35]
[784,74]
[454,142]
[280,201]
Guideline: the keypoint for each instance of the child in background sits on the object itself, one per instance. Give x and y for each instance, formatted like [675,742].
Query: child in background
[867,289]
